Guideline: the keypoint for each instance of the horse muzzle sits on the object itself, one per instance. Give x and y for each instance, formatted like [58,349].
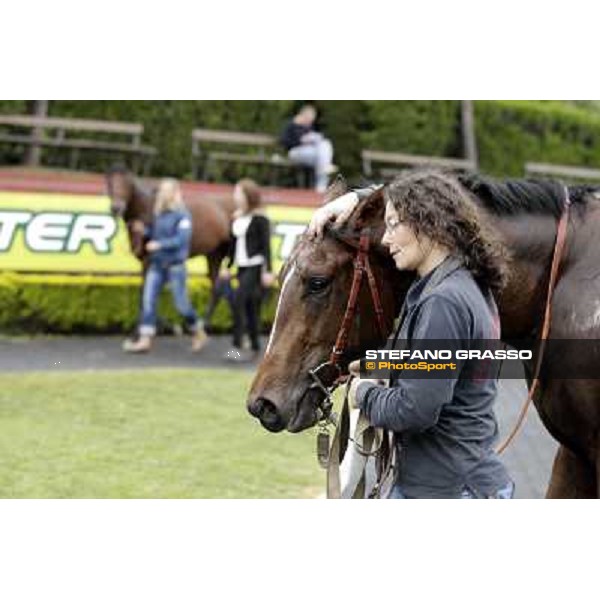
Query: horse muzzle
[267,413]
[274,418]
[117,208]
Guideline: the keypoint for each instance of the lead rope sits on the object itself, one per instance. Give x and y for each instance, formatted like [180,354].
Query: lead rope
[561,236]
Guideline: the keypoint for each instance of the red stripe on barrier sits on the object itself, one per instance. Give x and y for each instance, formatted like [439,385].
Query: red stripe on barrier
[67,182]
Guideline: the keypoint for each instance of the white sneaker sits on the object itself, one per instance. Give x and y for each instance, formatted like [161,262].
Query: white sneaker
[234,355]
[199,340]
[142,344]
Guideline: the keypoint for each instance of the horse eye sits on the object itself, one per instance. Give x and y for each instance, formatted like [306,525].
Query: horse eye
[317,284]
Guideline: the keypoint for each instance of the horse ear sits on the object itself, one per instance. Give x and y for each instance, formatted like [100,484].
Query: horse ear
[338,188]
[369,212]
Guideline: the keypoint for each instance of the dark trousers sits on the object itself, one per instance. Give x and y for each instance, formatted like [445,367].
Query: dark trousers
[222,289]
[246,306]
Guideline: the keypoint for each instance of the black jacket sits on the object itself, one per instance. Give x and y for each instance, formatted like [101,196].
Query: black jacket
[258,241]
[292,133]
[447,426]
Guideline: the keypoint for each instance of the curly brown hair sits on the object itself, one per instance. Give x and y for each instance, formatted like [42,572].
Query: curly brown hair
[435,204]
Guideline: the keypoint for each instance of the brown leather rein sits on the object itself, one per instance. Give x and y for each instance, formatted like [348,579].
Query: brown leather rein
[559,246]
[327,376]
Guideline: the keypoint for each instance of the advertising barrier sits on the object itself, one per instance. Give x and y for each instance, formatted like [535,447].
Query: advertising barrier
[67,233]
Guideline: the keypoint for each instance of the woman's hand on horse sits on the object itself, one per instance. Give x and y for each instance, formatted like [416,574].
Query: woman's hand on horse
[337,212]
[138,226]
[152,246]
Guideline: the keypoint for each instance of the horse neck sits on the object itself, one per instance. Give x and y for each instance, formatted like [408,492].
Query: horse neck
[530,240]
[142,204]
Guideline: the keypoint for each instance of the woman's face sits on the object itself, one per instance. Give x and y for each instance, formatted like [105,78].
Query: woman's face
[408,251]
[240,198]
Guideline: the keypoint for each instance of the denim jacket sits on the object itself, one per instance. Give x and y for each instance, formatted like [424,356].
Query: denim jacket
[172,229]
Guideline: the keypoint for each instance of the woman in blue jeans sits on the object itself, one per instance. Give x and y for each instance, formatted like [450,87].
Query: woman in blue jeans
[169,248]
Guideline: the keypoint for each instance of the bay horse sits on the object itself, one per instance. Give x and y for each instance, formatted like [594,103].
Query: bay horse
[211,220]
[315,285]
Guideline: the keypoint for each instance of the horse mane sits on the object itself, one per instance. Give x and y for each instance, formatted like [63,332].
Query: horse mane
[515,196]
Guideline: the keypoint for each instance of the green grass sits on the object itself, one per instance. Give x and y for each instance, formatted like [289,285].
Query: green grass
[145,434]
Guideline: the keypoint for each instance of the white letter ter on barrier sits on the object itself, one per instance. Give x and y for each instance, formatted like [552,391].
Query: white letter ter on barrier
[289,232]
[9,221]
[48,232]
[96,229]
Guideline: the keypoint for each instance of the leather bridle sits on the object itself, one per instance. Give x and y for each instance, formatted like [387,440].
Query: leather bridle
[328,375]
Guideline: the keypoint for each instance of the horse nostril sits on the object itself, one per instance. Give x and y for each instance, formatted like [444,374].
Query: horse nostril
[266,411]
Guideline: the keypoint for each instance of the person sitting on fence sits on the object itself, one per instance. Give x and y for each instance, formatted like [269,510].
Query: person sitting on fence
[251,253]
[169,247]
[308,147]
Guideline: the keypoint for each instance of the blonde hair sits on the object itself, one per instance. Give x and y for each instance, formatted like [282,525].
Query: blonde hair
[168,196]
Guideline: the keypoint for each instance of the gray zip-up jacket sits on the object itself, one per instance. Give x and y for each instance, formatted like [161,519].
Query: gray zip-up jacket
[447,425]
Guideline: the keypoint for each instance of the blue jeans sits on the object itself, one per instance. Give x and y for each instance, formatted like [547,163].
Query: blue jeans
[318,156]
[505,493]
[156,278]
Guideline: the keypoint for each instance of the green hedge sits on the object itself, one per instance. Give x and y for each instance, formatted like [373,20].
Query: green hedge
[510,133]
[168,124]
[429,127]
[91,304]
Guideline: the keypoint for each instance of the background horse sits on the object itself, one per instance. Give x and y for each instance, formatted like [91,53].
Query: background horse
[315,284]
[211,220]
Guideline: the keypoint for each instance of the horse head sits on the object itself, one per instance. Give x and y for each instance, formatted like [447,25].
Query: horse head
[120,189]
[129,202]
[315,286]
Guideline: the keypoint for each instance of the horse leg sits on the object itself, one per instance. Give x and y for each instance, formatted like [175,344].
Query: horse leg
[214,259]
[571,477]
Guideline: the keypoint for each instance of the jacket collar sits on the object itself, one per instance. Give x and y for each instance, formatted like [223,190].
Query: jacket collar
[424,285]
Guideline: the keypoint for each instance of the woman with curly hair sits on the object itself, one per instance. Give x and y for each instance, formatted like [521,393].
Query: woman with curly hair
[446,427]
